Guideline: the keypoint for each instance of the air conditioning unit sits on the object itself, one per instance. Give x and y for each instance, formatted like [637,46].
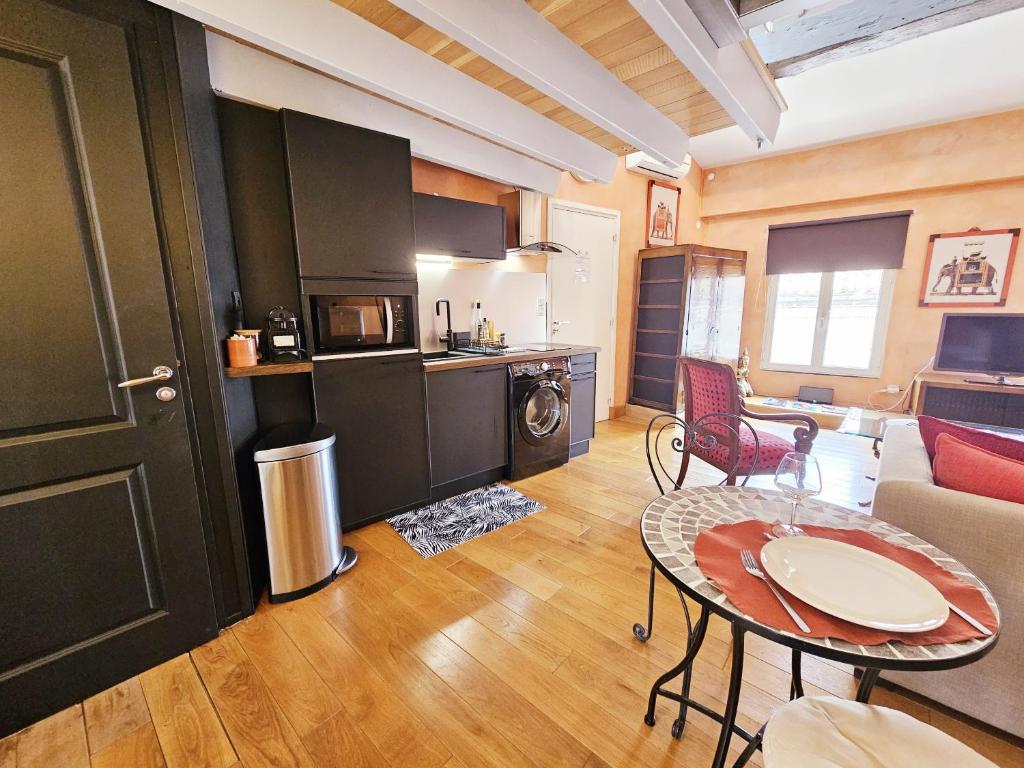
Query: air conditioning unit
[645,165]
[522,218]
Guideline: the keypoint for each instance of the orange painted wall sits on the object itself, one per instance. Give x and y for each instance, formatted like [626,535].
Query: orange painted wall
[627,193]
[954,176]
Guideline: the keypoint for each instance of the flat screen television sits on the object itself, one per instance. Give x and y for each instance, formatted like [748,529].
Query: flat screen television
[981,343]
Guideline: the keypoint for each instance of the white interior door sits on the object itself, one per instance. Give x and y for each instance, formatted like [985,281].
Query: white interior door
[582,287]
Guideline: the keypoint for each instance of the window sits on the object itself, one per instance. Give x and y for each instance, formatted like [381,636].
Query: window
[828,322]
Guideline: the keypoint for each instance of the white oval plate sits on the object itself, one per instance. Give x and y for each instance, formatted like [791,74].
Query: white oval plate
[854,584]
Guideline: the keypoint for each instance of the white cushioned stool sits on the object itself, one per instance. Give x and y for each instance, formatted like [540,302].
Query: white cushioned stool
[827,732]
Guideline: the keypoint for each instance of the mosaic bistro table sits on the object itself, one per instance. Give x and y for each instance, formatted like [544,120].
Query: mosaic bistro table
[669,529]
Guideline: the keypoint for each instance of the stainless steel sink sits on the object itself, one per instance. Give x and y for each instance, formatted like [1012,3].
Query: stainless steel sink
[448,355]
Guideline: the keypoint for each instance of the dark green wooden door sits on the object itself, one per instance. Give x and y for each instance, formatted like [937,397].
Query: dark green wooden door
[103,569]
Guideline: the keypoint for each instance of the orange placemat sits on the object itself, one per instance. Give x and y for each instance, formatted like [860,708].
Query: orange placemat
[718,555]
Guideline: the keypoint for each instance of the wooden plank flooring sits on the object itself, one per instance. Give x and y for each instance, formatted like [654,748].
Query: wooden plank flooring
[512,650]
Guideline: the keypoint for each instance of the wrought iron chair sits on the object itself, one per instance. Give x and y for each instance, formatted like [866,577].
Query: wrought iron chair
[712,430]
[707,433]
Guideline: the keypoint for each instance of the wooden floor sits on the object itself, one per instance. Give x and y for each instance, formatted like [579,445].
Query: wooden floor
[512,650]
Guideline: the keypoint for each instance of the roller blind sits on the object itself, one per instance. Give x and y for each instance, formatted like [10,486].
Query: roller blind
[838,245]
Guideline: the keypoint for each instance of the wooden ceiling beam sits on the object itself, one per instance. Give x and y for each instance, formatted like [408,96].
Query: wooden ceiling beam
[861,28]
[728,74]
[328,38]
[522,42]
[248,74]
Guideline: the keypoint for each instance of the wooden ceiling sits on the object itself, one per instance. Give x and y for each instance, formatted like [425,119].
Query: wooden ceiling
[609,30]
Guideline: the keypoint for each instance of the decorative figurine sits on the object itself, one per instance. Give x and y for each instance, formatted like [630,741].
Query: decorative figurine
[742,371]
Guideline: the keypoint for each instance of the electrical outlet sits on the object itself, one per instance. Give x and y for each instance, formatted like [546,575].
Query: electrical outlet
[541,306]
[892,389]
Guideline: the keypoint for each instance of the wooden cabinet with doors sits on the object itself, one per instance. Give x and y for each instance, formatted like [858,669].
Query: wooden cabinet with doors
[688,300]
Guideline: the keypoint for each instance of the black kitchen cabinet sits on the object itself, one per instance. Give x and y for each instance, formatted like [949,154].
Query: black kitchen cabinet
[459,228]
[467,412]
[351,199]
[377,408]
[581,403]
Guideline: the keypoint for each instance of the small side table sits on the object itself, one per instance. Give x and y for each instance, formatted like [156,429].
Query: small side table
[856,423]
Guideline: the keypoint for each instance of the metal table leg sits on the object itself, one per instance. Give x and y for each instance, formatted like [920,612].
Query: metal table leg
[867,684]
[752,746]
[733,699]
[796,687]
[694,642]
[639,631]
[680,722]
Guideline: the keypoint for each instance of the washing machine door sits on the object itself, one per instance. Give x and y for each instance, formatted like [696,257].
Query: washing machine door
[543,412]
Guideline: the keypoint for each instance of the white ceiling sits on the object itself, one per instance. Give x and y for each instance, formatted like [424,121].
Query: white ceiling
[973,69]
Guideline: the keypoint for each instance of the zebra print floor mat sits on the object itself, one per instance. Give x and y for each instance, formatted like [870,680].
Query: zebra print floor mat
[438,527]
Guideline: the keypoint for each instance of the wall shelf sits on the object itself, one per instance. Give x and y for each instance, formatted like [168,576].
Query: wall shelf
[269,369]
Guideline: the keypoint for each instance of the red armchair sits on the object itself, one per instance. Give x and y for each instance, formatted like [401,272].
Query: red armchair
[710,388]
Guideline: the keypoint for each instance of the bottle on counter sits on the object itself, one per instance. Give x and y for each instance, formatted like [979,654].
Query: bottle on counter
[490,330]
[476,319]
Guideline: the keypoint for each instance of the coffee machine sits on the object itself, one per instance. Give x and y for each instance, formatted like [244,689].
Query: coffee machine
[283,340]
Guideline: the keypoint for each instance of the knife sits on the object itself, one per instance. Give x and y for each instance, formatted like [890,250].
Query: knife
[970,619]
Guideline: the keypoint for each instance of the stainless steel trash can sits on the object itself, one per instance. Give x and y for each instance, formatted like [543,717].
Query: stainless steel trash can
[300,509]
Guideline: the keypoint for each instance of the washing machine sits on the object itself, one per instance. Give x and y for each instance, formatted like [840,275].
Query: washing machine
[538,415]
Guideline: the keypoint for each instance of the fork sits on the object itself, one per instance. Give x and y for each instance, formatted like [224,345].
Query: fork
[750,566]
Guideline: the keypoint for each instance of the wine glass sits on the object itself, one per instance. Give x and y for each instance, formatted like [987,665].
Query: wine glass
[798,477]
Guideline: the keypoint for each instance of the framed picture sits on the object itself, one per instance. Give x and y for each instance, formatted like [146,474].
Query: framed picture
[662,214]
[970,268]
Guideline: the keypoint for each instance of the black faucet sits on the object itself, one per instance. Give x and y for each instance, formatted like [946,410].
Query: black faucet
[449,337]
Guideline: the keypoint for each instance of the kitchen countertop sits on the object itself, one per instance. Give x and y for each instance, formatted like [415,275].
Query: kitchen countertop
[449,364]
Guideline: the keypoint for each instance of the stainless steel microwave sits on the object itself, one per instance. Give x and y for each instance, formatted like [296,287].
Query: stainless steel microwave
[363,323]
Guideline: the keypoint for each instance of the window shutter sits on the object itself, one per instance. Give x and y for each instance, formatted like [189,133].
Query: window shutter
[838,245]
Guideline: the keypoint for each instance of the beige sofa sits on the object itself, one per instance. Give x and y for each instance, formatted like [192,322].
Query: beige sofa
[987,535]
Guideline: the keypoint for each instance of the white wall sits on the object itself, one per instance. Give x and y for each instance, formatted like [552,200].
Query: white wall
[510,299]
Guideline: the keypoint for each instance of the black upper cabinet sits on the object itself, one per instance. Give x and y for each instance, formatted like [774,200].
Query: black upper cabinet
[459,228]
[351,195]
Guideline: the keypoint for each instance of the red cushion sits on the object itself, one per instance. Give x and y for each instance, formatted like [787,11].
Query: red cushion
[771,449]
[931,428]
[965,467]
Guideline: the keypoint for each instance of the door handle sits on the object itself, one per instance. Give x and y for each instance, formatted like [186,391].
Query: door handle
[160,373]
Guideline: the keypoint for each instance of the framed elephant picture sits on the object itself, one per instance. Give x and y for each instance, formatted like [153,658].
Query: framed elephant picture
[970,268]
[662,214]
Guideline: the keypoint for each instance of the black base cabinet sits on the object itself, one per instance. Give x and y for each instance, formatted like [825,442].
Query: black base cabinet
[377,408]
[581,406]
[468,422]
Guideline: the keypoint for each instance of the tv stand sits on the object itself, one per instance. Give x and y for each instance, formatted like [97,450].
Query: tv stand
[950,396]
[999,381]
